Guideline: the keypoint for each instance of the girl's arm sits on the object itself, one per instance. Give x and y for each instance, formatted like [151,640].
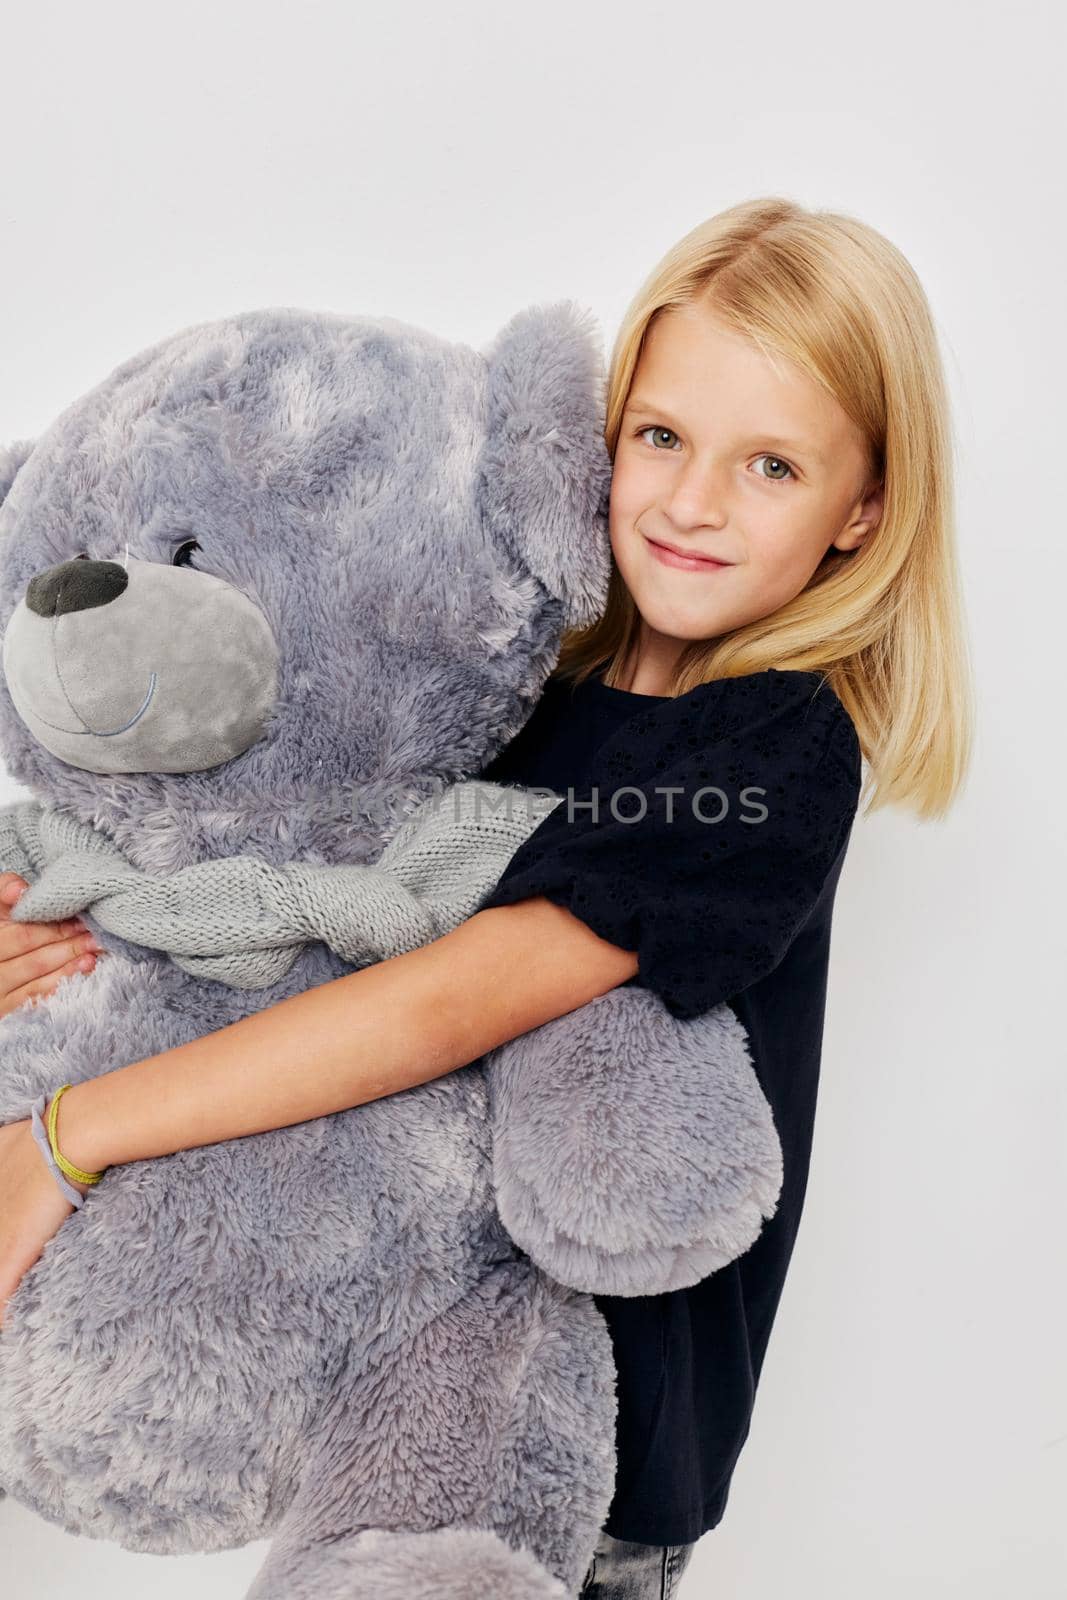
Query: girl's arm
[368,1034]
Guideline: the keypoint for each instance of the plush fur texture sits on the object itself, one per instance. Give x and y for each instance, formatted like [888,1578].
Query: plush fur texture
[365,1334]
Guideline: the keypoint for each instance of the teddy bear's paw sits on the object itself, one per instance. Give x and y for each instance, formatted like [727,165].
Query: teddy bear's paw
[444,1564]
[581,1265]
[633,1153]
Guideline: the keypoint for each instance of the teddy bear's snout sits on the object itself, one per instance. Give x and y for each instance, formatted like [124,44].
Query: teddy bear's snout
[140,666]
[75,586]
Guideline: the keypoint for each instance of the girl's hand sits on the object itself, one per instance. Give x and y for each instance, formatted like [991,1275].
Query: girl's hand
[32,1206]
[35,955]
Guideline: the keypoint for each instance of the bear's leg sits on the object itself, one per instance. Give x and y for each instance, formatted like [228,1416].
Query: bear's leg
[477,1459]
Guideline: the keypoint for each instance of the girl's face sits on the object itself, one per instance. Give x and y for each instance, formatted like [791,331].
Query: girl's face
[720,456]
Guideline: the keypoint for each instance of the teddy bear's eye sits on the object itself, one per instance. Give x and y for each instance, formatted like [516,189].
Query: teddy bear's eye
[183,555]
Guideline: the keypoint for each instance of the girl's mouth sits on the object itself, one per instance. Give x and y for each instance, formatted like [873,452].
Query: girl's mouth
[685,563]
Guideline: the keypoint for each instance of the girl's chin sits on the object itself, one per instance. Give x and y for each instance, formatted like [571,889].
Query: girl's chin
[675,623]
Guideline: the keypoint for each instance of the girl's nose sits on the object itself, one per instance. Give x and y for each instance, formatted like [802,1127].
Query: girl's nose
[697,498]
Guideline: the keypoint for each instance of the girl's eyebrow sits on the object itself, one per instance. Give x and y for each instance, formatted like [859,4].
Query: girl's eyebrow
[795,447]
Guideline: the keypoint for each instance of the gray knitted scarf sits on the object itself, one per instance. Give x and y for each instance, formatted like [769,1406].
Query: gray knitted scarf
[242,921]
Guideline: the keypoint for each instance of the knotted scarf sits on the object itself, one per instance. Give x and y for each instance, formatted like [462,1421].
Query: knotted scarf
[242,921]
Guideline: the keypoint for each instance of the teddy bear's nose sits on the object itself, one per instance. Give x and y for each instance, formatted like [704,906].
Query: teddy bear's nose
[75,586]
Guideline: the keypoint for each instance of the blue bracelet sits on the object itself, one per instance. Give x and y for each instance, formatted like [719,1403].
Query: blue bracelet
[40,1133]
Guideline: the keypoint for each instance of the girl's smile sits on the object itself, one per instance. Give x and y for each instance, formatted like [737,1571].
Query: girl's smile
[673,557]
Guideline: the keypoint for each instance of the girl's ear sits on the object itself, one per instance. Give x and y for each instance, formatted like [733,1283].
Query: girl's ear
[545,472]
[12,457]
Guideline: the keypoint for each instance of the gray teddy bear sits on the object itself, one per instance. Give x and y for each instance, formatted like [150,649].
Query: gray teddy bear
[272,594]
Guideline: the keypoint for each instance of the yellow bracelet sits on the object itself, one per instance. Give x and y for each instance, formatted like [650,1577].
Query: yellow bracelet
[62,1163]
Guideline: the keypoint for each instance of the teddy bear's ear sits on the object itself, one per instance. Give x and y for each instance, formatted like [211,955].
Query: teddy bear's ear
[545,469]
[12,457]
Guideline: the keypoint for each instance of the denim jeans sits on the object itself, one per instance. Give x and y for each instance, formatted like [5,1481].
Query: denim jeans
[624,1571]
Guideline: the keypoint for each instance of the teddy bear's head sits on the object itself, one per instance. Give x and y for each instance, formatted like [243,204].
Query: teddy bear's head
[281,575]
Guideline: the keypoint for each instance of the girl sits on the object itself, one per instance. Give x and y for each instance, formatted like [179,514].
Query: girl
[783,601]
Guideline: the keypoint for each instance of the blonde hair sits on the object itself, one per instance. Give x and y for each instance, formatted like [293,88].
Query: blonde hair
[883,622]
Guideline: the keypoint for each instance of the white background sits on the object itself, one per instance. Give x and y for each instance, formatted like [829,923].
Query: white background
[449,165]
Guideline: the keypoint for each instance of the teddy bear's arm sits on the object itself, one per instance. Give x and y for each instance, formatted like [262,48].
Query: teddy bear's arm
[634,1153]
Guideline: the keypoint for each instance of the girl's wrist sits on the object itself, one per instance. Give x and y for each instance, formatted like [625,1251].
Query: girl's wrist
[78,1134]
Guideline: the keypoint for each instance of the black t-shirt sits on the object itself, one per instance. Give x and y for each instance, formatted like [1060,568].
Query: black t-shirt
[724,888]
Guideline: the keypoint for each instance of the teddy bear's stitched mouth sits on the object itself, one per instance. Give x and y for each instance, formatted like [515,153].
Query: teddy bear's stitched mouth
[111,732]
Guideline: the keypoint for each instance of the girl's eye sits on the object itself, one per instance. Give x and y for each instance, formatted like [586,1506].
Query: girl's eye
[182,557]
[778,462]
[660,431]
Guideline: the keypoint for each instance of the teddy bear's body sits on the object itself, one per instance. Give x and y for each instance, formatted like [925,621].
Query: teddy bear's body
[274,584]
[216,1314]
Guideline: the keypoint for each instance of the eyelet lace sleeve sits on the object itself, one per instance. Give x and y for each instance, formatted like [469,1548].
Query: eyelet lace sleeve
[705,837]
